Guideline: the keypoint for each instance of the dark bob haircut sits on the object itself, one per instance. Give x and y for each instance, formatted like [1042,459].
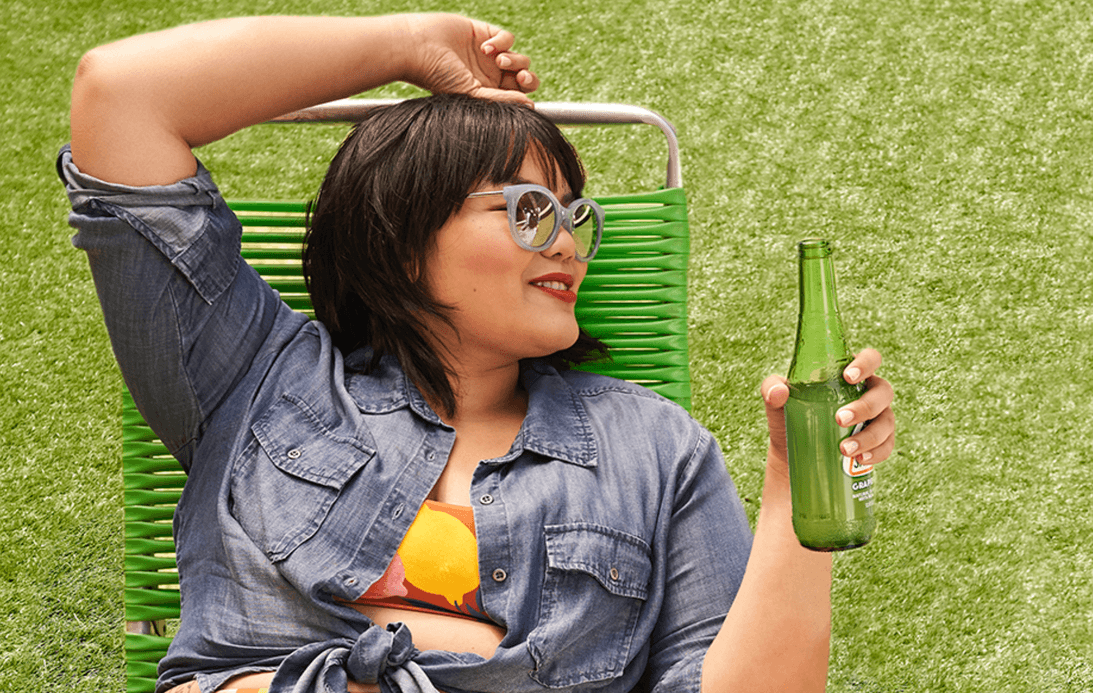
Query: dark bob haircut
[397,178]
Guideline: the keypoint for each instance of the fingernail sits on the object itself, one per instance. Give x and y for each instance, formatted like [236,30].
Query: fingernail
[504,61]
[488,49]
[852,375]
[844,417]
[865,457]
[850,448]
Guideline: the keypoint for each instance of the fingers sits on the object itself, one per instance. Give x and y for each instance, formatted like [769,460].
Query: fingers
[875,442]
[864,365]
[528,81]
[515,73]
[499,40]
[524,81]
[515,67]
[515,80]
[877,397]
[513,62]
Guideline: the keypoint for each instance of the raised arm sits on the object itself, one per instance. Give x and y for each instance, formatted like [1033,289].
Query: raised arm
[140,105]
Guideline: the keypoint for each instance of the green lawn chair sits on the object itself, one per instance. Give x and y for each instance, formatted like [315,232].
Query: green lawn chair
[634,298]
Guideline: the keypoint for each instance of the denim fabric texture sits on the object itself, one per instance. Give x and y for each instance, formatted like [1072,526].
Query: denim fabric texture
[611,538]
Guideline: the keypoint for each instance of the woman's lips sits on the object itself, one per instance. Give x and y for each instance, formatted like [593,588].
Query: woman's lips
[557,285]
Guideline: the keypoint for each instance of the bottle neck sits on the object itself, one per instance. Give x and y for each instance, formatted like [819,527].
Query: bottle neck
[821,351]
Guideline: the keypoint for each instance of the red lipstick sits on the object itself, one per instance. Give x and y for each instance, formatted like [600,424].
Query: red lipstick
[566,295]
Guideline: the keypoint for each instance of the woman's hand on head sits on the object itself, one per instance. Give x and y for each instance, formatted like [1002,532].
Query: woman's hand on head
[454,55]
[874,443]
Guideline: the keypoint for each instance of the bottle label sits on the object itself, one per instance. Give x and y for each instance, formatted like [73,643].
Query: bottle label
[862,485]
[851,466]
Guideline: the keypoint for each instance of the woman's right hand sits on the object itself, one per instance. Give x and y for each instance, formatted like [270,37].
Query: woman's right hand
[453,54]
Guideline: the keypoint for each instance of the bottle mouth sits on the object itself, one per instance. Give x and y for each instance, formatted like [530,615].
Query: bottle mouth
[814,248]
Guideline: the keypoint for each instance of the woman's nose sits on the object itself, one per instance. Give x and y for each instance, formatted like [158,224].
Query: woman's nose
[563,244]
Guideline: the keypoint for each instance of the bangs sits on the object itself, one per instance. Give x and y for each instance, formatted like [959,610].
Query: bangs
[474,141]
[546,147]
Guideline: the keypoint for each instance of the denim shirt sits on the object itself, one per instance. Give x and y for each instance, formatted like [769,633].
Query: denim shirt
[611,540]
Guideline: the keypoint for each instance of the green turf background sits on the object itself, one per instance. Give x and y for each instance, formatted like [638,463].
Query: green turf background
[945,146]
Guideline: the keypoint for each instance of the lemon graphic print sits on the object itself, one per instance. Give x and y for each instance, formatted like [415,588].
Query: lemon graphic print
[440,555]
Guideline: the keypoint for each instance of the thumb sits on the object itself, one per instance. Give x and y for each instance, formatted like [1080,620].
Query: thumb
[503,95]
[775,392]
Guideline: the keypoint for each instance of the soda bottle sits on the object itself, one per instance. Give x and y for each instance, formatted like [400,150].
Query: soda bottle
[832,494]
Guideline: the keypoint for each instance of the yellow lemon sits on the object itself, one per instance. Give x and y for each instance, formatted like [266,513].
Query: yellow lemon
[440,555]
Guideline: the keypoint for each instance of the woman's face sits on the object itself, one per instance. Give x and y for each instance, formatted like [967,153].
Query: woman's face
[509,303]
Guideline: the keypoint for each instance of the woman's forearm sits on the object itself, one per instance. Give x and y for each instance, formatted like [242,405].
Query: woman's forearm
[777,633]
[151,98]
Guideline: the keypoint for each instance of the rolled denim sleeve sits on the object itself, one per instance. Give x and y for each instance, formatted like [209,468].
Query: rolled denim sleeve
[709,541]
[186,316]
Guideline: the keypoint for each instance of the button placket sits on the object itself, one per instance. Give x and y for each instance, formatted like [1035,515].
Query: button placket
[494,552]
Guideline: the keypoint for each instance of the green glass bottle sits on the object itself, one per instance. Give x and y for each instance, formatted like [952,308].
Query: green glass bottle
[832,494]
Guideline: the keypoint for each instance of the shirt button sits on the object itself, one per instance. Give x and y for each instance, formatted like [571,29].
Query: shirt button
[615,574]
[294,454]
[499,575]
[486,499]
[431,456]
[351,581]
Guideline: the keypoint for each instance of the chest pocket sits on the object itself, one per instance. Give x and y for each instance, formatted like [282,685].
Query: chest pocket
[290,476]
[597,581]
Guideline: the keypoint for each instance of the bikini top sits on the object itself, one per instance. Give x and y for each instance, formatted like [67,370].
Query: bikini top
[435,569]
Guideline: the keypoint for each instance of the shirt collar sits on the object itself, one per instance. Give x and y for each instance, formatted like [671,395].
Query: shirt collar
[384,388]
[556,425]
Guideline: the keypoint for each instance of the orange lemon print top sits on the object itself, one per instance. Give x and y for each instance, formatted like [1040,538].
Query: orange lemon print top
[435,569]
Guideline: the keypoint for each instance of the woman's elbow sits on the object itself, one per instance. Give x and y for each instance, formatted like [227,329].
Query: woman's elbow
[92,82]
[93,92]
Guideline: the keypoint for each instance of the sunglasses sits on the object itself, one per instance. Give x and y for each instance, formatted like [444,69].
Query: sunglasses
[536,217]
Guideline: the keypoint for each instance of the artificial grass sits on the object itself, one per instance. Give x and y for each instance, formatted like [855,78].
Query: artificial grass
[944,146]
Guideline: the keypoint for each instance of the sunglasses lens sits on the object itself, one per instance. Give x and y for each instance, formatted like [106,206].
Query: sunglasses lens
[584,228]
[535,219]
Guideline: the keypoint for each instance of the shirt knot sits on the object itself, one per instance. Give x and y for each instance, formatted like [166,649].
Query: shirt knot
[378,650]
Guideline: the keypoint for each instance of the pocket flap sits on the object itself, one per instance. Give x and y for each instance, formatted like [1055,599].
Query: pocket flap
[620,562]
[298,444]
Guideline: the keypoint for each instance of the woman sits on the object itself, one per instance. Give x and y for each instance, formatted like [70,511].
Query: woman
[414,493]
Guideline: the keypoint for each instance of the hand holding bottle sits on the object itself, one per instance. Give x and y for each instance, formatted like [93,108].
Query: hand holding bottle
[828,446]
[874,443]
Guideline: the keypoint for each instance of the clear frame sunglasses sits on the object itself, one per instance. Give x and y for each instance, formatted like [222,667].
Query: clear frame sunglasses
[536,217]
